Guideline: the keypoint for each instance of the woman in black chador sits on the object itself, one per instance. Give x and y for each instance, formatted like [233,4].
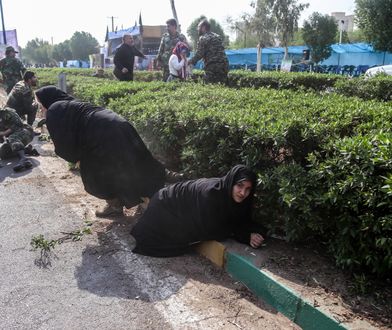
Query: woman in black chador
[199,210]
[115,164]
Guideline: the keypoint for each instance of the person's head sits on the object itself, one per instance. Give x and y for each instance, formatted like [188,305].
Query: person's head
[203,27]
[181,48]
[10,51]
[48,95]
[171,25]
[127,38]
[243,183]
[30,78]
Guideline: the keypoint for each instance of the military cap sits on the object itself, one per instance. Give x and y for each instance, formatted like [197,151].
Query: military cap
[10,49]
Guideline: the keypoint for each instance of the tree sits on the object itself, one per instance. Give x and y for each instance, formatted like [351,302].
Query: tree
[297,38]
[62,51]
[356,36]
[373,17]
[38,51]
[82,44]
[286,14]
[319,33]
[215,27]
[263,22]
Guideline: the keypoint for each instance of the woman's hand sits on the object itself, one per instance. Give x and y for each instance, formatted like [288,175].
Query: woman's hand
[256,240]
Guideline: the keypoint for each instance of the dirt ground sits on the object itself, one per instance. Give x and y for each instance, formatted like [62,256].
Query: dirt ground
[229,304]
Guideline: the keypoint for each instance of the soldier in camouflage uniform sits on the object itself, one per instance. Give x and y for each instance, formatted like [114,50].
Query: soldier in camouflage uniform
[168,42]
[210,48]
[22,99]
[15,136]
[11,69]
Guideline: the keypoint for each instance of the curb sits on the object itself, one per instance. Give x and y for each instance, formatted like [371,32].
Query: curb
[265,286]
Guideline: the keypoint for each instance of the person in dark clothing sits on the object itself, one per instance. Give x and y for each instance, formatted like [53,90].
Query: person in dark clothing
[114,162]
[124,58]
[198,210]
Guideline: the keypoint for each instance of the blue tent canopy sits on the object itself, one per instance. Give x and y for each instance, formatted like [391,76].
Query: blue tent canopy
[342,54]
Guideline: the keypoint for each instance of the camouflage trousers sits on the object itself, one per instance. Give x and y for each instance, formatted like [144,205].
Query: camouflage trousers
[16,142]
[165,72]
[30,115]
[216,73]
[9,83]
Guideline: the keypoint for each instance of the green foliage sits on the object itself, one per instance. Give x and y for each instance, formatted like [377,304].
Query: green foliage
[319,33]
[323,160]
[373,17]
[264,22]
[286,14]
[37,51]
[46,246]
[215,27]
[62,51]
[82,44]
[354,190]
[375,88]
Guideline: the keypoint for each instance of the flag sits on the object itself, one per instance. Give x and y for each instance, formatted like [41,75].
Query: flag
[140,23]
[107,34]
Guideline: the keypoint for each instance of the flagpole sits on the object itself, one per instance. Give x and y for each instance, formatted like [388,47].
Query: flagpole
[2,22]
[141,32]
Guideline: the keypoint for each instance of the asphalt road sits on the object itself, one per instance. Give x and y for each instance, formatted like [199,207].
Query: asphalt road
[97,282]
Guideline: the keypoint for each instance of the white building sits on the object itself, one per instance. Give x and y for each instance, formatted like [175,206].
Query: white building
[345,22]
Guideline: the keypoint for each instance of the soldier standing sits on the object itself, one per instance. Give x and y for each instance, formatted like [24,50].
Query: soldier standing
[210,48]
[22,99]
[15,136]
[11,69]
[168,42]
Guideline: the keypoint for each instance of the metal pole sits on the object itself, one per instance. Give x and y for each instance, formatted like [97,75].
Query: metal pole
[2,22]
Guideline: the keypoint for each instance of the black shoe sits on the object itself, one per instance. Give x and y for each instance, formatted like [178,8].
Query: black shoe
[27,164]
[30,151]
[18,168]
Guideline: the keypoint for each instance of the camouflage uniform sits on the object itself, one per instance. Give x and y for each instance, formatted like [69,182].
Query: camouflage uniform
[216,66]
[22,100]
[168,42]
[12,70]
[20,136]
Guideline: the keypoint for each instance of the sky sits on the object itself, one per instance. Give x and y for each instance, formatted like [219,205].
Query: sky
[56,21]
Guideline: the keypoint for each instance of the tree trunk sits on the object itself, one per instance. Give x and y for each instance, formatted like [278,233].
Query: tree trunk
[173,7]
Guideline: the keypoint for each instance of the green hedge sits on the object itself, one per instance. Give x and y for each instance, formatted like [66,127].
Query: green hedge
[376,88]
[323,162]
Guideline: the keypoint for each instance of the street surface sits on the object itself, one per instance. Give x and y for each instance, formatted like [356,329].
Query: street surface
[97,282]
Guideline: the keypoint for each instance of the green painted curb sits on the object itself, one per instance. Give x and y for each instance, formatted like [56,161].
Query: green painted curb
[278,296]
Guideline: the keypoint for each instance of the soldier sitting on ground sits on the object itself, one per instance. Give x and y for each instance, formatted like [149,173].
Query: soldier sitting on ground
[15,137]
[22,99]
[11,69]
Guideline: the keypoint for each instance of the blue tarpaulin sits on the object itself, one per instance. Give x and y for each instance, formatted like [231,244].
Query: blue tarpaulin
[342,54]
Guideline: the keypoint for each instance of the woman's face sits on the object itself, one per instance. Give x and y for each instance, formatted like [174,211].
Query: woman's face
[241,191]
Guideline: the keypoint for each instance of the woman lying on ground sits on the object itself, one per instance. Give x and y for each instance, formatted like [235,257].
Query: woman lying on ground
[188,212]
[115,164]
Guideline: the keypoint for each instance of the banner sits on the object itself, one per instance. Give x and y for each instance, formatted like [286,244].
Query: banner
[12,40]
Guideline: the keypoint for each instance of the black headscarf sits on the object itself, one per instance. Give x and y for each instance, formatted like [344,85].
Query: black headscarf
[114,161]
[49,94]
[192,211]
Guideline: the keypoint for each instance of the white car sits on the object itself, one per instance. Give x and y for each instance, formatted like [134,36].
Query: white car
[387,69]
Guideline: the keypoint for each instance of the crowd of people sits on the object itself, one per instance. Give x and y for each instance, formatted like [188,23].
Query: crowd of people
[115,164]
[173,54]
